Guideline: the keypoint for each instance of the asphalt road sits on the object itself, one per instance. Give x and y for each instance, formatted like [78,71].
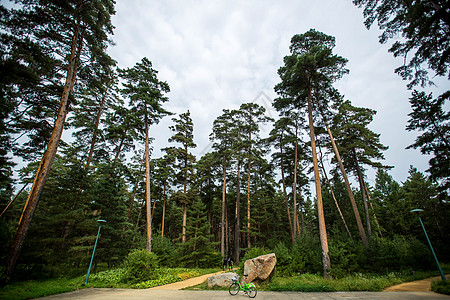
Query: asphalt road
[123,294]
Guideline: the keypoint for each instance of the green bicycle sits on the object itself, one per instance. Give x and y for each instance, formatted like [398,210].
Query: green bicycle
[248,288]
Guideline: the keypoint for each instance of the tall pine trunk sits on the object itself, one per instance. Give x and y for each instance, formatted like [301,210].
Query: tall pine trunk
[49,154]
[322,229]
[147,185]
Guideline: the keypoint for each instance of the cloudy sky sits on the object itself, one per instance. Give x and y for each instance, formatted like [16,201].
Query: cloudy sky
[218,54]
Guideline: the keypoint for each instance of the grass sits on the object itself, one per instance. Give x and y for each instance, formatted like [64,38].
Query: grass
[106,279]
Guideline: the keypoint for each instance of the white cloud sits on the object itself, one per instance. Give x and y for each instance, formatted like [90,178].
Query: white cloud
[218,54]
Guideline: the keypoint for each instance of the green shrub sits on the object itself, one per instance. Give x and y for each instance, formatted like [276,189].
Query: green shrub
[252,253]
[442,287]
[165,249]
[140,265]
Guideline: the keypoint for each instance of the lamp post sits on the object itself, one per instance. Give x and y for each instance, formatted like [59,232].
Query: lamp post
[95,246]
[418,210]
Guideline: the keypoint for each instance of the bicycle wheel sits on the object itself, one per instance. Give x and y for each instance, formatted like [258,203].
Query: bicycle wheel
[252,292]
[234,289]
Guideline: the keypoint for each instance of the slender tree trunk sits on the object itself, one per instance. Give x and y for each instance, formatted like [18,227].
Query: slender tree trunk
[322,229]
[373,210]
[285,194]
[94,136]
[183,234]
[237,231]
[130,207]
[147,182]
[248,191]
[49,154]
[222,239]
[294,185]
[363,195]
[119,148]
[14,198]
[164,210]
[347,184]
[332,194]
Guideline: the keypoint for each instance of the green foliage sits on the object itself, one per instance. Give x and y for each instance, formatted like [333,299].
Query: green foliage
[442,287]
[354,282]
[165,249]
[252,253]
[197,251]
[140,265]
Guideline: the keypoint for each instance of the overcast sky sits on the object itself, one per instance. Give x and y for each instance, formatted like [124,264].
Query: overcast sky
[218,54]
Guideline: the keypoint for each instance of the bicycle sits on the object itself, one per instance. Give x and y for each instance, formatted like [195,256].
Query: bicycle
[248,288]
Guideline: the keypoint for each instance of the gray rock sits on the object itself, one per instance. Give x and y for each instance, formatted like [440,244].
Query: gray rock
[260,268]
[221,280]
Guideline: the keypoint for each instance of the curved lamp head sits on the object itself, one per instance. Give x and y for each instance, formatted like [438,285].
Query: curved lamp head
[102,221]
[417,210]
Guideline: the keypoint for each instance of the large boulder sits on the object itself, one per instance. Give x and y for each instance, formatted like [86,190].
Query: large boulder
[221,280]
[260,268]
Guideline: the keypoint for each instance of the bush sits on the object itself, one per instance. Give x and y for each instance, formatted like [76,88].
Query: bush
[442,287]
[252,253]
[165,249]
[140,265]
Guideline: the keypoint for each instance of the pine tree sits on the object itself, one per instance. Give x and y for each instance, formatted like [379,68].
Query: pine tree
[183,134]
[197,250]
[358,146]
[146,95]
[310,63]
[428,116]
[47,26]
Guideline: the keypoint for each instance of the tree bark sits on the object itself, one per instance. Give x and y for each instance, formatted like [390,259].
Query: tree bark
[147,185]
[49,154]
[322,229]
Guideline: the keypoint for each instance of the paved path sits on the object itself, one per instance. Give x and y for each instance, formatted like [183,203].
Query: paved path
[415,286]
[418,290]
[186,283]
[123,294]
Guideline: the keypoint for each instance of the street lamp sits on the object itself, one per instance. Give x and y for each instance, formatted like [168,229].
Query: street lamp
[100,221]
[418,210]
